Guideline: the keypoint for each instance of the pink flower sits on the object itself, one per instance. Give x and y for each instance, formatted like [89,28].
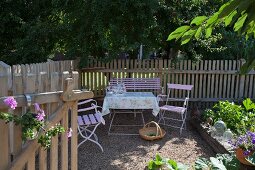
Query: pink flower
[40,116]
[11,102]
[40,113]
[37,107]
[69,133]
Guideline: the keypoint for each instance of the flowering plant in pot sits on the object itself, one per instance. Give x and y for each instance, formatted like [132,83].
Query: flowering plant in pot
[33,124]
[245,148]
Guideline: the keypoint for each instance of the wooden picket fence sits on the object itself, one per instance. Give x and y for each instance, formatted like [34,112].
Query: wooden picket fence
[52,88]
[213,80]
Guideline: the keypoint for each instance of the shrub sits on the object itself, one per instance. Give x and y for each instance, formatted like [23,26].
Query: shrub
[238,118]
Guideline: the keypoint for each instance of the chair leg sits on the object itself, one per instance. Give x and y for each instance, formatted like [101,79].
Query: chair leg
[143,119]
[110,126]
[161,117]
[95,136]
[88,137]
[183,126]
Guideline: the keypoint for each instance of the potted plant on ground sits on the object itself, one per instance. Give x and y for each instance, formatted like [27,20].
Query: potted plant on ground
[245,148]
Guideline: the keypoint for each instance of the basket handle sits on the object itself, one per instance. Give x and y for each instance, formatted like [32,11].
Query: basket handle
[157,126]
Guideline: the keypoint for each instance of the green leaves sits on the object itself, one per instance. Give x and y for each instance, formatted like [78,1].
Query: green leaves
[164,162]
[220,162]
[230,17]
[217,164]
[201,163]
[234,11]
[187,36]
[198,20]
[198,32]
[45,139]
[208,32]
[229,161]
[158,160]
[248,104]
[240,22]
[251,159]
[178,32]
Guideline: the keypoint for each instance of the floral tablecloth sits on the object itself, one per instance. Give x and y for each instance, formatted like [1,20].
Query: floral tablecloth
[130,100]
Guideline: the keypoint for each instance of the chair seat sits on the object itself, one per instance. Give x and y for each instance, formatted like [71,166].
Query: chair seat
[90,119]
[173,108]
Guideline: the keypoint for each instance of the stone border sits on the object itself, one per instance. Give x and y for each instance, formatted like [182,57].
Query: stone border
[215,145]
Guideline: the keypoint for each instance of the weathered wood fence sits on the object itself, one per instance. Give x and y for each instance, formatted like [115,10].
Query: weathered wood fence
[52,88]
[213,80]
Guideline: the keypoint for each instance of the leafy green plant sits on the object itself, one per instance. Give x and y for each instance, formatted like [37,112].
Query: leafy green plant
[251,159]
[238,118]
[220,162]
[246,142]
[160,163]
[33,124]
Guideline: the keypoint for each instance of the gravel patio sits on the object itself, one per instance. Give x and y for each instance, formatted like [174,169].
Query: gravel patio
[133,153]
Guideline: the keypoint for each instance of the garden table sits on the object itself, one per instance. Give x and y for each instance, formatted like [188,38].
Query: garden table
[130,100]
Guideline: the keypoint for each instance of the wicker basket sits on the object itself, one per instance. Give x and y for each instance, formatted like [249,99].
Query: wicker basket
[149,132]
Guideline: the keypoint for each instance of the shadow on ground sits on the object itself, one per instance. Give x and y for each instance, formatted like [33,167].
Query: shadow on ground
[132,152]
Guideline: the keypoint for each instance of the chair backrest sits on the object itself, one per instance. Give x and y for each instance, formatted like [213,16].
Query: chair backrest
[90,112]
[87,105]
[180,92]
[134,84]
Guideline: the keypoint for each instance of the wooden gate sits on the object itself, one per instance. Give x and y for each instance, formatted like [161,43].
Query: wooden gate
[55,93]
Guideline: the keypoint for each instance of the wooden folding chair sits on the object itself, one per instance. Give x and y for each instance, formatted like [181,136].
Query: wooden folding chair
[88,123]
[177,114]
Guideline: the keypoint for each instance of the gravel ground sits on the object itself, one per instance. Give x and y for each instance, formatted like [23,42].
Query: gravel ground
[133,153]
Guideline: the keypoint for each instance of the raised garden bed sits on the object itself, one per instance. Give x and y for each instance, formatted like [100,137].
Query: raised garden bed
[216,146]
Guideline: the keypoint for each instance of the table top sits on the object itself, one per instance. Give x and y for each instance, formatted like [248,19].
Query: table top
[130,100]
[131,94]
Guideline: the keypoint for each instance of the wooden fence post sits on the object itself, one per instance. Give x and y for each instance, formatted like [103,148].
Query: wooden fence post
[242,79]
[17,133]
[4,128]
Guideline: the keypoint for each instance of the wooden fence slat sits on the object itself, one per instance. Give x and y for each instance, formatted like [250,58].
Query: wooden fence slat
[4,128]
[64,143]
[31,162]
[217,80]
[54,153]
[229,80]
[16,140]
[74,152]
[205,80]
[250,85]
[220,92]
[42,159]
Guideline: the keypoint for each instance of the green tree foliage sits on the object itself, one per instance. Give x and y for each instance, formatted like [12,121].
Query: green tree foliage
[32,30]
[103,28]
[238,14]
[29,30]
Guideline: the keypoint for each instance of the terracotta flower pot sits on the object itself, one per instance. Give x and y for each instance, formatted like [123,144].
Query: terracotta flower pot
[241,157]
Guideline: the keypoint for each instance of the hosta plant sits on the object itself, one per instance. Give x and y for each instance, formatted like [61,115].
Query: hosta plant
[220,162]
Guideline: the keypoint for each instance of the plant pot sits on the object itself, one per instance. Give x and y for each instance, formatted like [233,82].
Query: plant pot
[241,157]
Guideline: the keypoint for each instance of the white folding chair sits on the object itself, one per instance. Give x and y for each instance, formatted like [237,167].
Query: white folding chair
[87,123]
[172,113]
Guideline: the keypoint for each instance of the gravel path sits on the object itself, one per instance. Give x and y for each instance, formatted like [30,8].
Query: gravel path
[133,153]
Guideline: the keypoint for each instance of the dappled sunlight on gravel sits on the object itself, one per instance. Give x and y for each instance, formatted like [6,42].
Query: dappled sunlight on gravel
[132,152]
